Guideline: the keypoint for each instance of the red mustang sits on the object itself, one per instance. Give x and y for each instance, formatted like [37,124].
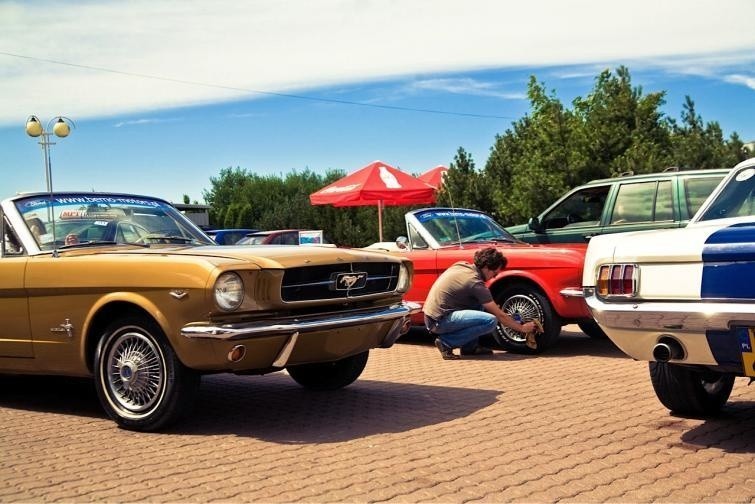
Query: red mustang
[540,281]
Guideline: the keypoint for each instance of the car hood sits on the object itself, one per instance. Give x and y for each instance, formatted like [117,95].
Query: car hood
[518,229]
[267,257]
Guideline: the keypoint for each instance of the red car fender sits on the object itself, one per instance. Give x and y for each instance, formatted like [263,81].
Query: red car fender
[551,282]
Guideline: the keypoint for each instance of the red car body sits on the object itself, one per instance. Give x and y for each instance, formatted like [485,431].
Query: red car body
[539,281]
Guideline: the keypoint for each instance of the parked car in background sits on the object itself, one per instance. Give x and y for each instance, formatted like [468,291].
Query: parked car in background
[539,282]
[622,204]
[284,237]
[145,303]
[228,236]
[684,299]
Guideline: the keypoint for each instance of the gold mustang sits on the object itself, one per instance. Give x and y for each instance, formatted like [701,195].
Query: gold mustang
[126,289]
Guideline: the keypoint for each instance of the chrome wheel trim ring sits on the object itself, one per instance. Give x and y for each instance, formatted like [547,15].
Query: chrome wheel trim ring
[134,373]
[526,308]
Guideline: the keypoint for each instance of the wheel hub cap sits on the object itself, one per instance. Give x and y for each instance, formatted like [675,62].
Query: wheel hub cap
[136,376]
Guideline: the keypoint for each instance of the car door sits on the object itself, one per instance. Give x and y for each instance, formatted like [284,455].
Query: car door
[15,335]
[575,218]
[638,206]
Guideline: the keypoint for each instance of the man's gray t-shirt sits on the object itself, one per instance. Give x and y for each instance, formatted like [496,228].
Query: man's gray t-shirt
[460,287]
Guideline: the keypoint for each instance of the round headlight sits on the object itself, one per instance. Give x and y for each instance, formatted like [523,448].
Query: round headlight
[229,291]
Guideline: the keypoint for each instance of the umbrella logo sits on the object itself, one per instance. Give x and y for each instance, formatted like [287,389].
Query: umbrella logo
[388,178]
[350,281]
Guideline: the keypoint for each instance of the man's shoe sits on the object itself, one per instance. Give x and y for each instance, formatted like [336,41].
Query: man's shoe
[478,350]
[446,352]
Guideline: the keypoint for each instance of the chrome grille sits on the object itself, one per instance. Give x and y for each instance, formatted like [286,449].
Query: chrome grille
[339,281]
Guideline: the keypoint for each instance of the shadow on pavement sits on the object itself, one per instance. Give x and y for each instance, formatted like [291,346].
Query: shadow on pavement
[276,409]
[733,431]
[272,408]
[570,344]
[58,394]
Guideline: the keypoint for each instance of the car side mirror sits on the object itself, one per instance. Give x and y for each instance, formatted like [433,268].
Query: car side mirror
[402,242]
[535,225]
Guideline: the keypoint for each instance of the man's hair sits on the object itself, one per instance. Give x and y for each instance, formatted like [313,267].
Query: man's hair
[489,257]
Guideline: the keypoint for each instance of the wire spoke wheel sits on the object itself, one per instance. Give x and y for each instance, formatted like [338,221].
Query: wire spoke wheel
[521,308]
[524,303]
[136,373]
[140,382]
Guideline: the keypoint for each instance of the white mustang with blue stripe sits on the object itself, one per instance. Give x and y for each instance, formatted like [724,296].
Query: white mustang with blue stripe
[684,299]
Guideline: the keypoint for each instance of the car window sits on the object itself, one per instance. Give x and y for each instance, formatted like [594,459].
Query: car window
[643,202]
[416,240]
[736,198]
[664,202]
[581,208]
[697,190]
[11,244]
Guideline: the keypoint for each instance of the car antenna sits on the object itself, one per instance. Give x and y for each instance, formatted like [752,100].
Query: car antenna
[453,210]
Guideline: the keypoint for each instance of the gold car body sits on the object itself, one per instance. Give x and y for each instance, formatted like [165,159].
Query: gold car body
[56,301]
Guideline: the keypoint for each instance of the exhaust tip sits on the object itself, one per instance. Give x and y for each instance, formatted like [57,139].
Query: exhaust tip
[668,349]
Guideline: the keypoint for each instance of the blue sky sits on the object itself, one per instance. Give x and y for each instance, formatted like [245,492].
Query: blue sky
[166,94]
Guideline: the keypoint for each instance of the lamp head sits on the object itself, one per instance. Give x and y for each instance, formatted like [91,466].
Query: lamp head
[61,128]
[33,126]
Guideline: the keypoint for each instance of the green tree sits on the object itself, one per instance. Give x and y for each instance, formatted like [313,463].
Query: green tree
[229,219]
[700,145]
[464,186]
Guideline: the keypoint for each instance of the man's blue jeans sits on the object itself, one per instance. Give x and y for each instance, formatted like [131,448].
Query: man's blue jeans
[463,328]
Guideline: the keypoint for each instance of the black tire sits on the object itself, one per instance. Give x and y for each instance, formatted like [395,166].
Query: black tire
[592,329]
[140,382]
[329,375]
[689,391]
[524,304]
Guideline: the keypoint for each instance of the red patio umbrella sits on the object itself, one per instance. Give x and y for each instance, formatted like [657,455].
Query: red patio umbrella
[434,176]
[378,184]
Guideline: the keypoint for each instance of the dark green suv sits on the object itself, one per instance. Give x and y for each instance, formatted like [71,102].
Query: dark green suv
[621,204]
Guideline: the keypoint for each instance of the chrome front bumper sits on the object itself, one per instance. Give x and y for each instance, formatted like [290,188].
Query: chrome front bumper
[399,313]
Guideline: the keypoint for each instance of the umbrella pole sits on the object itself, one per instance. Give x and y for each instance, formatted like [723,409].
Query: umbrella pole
[380,219]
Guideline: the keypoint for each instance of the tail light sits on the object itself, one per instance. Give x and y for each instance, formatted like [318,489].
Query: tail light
[618,280]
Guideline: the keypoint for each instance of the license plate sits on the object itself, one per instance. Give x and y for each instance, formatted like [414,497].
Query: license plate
[747,347]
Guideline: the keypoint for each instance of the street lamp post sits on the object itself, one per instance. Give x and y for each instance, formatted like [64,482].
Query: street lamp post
[61,129]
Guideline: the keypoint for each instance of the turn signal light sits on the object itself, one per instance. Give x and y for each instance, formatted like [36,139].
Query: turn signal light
[617,280]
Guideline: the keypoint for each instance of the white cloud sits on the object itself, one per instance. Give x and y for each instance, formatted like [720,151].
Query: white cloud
[141,122]
[746,80]
[202,52]
[466,86]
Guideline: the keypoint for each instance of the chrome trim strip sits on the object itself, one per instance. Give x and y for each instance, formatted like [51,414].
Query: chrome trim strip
[689,316]
[263,328]
[572,292]
[285,352]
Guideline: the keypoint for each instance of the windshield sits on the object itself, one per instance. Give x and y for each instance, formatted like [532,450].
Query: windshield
[736,198]
[449,226]
[85,219]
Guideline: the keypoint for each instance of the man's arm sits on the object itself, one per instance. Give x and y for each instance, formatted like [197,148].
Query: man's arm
[506,320]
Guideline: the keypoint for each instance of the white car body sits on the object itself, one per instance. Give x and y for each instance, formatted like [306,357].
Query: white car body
[689,294]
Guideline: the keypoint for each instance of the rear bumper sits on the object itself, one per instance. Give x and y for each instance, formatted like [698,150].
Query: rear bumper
[706,330]
[669,316]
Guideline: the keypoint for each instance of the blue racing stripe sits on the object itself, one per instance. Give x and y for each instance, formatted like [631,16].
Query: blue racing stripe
[729,263]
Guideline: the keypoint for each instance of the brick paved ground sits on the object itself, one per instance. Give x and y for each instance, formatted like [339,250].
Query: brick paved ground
[580,424]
